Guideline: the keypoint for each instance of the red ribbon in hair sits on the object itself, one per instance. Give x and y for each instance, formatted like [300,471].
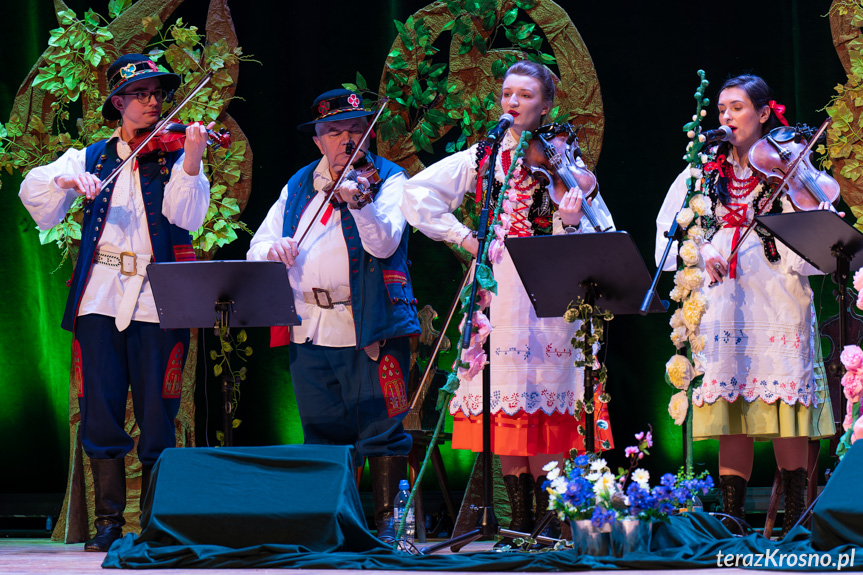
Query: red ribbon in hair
[778,109]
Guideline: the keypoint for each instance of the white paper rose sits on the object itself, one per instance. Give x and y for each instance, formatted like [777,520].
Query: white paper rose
[689,253]
[679,371]
[685,217]
[699,204]
[678,406]
[679,293]
[679,336]
[696,234]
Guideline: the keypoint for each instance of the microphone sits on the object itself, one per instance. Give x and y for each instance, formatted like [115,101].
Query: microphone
[503,125]
[720,134]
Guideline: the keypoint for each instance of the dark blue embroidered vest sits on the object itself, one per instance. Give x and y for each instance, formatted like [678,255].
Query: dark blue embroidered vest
[381,294]
[170,242]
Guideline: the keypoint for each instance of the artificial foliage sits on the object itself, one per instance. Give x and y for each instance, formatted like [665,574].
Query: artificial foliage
[222,357]
[844,146]
[444,70]
[586,339]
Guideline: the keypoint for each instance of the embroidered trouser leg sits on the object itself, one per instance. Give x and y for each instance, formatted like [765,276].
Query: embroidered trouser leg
[144,357]
[346,398]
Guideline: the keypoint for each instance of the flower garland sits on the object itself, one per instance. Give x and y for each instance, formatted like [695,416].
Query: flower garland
[471,360]
[585,346]
[685,367]
[852,383]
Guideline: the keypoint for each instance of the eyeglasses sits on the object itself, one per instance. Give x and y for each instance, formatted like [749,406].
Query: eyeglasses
[143,97]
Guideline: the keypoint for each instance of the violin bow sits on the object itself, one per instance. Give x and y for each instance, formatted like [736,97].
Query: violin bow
[790,172]
[433,359]
[156,129]
[340,180]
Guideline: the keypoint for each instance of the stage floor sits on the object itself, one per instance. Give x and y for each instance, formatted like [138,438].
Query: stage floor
[33,556]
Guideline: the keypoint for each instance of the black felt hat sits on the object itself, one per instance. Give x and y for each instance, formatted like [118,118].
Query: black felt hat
[333,106]
[130,68]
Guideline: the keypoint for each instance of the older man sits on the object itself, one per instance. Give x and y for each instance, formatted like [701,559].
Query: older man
[351,354]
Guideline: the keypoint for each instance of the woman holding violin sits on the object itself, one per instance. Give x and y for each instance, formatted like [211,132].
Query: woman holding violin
[763,379]
[143,214]
[532,367]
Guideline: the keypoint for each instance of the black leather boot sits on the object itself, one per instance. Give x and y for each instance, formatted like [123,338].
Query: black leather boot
[553,528]
[732,489]
[794,484]
[520,492]
[386,472]
[109,484]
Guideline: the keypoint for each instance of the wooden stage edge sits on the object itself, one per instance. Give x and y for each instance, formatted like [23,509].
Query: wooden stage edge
[43,556]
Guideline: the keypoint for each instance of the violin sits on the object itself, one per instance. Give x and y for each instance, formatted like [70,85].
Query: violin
[764,163]
[172,137]
[354,154]
[550,159]
[770,159]
[362,168]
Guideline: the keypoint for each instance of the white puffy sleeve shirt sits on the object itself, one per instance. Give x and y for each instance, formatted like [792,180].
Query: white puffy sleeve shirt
[184,204]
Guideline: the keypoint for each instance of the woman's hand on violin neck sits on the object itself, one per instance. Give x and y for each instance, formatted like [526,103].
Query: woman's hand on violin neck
[85,184]
[283,250]
[195,146]
[714,263]
[570,207]
[831,208]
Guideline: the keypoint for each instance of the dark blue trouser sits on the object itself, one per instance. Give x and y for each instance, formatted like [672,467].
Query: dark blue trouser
[346,398]
[108,362]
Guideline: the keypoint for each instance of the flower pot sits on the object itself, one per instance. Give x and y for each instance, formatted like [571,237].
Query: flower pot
[588,540]
[629,535]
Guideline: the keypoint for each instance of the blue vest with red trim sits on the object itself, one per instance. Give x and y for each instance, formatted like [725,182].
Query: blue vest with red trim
[381,294]
[170,243]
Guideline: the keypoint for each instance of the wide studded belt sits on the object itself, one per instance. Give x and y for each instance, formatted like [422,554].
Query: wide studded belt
[328,299]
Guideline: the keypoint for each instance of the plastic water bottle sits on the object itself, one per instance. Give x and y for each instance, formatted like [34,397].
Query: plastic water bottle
[400,508]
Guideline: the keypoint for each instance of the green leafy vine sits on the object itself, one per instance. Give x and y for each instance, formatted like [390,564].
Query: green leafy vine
[594,318]
[428,105]
[844,147]
[222,366]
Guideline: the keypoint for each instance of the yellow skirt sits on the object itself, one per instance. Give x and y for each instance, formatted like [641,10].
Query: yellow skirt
[764,421]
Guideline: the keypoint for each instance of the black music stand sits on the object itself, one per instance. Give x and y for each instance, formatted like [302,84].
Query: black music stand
[825,240]
[604,269]
[222,294]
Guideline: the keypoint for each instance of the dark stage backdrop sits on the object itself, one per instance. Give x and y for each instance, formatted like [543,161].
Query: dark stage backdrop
[646,56]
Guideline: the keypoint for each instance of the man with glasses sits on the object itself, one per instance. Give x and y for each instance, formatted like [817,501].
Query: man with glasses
[145,214]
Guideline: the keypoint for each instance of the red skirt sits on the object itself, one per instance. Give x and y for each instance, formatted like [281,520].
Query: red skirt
[528,434]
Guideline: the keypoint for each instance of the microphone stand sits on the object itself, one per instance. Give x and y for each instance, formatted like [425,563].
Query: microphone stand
[487,524]
[674,234]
